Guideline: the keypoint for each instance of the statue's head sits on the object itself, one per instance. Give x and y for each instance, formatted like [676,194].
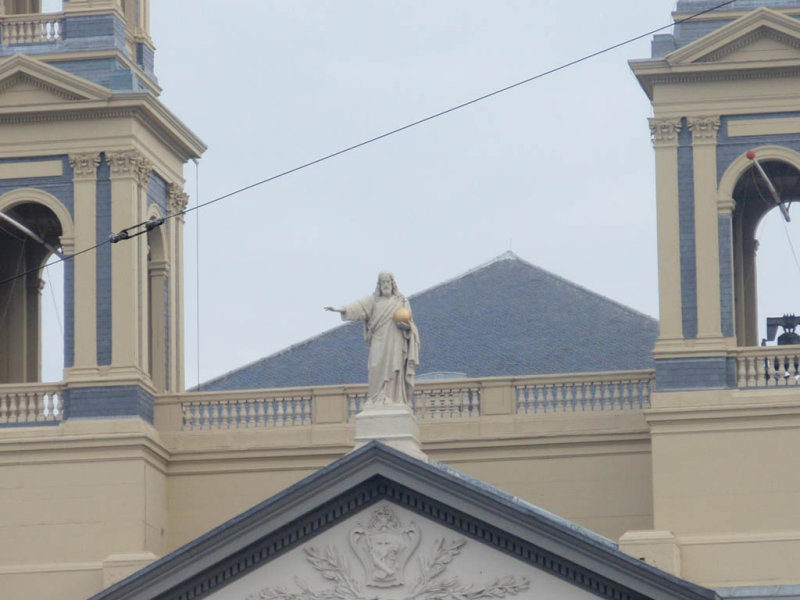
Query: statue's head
[386,286]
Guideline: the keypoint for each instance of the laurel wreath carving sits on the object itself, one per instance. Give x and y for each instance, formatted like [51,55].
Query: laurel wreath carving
[429,586]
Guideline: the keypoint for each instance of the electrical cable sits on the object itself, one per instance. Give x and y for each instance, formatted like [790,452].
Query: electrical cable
[124,234]
[197,263]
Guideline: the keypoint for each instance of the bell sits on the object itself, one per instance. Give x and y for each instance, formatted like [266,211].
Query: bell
[788,338]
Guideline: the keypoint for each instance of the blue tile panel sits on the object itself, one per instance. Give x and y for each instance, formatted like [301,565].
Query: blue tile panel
[725,274]
[675,374]
[103,254]
[166,331]
[687,232]
[108,72]
[59,186]
[157,192]
[506,318]
[69,312]
[731,148]
[108,402]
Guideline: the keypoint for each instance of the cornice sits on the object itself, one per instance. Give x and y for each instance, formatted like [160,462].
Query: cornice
[142,106]
[758,34]
[655,73]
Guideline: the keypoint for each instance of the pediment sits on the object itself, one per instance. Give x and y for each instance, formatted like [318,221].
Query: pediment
[762,36]
[382,525]
[25,81]
[388,551]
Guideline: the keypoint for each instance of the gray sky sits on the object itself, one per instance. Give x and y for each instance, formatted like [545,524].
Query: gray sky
[560,170]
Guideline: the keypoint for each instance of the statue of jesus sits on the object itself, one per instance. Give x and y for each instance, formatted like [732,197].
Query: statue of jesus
[393,341]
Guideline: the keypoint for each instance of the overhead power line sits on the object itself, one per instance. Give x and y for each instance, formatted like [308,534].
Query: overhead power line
[131,231]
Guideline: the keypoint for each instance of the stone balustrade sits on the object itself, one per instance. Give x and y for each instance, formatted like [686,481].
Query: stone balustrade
[30,29]
[443,400]
[768,366]
[30,404]
[618,390]
[256,410]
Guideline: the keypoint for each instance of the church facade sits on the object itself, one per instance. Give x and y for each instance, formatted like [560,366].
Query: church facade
[662,463]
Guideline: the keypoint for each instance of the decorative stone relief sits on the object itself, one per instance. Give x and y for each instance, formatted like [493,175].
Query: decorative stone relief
[665,131]
[178,200]
[84,166]
[704,129]
[384,548]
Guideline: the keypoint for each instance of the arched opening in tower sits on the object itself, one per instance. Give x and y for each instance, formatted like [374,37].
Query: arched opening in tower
[22,258]
[763,253]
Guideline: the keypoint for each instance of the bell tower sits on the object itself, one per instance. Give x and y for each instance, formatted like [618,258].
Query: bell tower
[725,417]
[86,149]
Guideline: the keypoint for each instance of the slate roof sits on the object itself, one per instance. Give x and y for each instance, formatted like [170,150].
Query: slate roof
[374,472]
[507,317]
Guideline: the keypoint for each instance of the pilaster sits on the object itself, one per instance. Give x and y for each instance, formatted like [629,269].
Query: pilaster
[84,181]
[143,170]
[704,146]
[665,142]
[176,204]
[126,300]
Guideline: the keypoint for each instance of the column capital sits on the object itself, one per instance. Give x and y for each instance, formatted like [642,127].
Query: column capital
[178,199]
[704,129]
[143,170]
[123,164]
[84,166]
[665,131]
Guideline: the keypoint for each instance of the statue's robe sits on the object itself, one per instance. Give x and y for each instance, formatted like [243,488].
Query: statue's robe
[393,352]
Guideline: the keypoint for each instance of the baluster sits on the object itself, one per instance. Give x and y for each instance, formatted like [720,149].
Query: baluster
[765,371]
[13,412]
[280,412]
[34,400]
[795,370]
[264,414]
[307,409]
[613,394]
[752,370]
[205,416]
[741,369]
[250,410]
[185,412]
[4,408]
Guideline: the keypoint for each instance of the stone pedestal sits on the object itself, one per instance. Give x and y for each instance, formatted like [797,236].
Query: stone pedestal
[392,424]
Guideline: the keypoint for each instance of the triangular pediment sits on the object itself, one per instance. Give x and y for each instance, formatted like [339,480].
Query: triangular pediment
[25,81]
[762,36]
[381,524]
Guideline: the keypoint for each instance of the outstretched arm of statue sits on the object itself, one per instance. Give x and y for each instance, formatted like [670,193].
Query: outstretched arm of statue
[333,309]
